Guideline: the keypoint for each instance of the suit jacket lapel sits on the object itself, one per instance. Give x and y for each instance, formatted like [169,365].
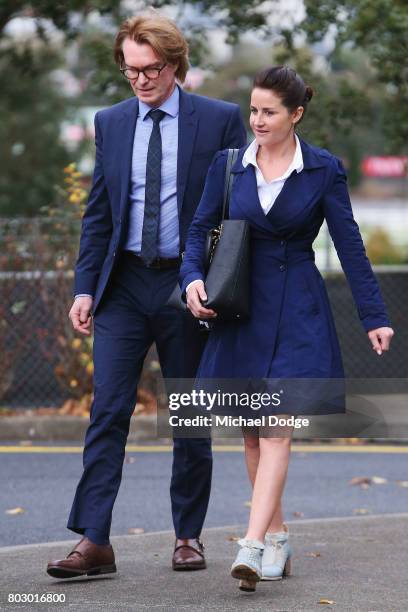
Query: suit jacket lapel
[125,138]
[187,129]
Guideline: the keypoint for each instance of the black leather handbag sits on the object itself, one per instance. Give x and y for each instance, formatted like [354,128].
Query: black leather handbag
[227,261]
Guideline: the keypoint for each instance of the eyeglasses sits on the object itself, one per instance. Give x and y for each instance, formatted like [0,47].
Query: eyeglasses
[149,73]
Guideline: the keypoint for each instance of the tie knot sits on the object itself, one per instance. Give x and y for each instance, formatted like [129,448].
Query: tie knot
[156,115]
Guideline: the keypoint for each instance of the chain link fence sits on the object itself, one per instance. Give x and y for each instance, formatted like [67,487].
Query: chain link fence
[43,363]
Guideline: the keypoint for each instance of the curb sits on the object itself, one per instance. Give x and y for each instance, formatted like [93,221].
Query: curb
[64,427]
[141,536]
[45,428]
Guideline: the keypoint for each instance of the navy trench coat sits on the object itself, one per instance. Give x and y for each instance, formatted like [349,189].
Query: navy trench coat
[290,332]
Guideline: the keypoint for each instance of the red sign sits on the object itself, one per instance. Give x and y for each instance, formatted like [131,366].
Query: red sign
[390,166]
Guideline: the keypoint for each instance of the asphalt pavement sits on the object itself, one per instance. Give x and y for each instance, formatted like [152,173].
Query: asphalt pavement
[358,564]
[349,540]
[43,484]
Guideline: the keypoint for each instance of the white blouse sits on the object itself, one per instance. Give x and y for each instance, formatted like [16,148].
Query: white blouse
[269,191]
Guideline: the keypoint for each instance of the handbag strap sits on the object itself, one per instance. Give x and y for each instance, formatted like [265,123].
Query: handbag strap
[229,179]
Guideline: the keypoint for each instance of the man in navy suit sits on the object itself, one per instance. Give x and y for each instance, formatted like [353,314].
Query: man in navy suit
[152,156]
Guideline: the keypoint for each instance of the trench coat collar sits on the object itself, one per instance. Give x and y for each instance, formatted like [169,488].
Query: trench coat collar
[313,157]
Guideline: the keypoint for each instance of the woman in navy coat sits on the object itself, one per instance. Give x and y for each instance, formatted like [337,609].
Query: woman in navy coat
[285,188]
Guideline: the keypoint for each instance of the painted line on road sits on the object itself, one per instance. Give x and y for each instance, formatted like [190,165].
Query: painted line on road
[139,448]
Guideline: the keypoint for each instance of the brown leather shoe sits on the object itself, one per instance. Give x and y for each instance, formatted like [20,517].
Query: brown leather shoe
[86,558]
[188,555]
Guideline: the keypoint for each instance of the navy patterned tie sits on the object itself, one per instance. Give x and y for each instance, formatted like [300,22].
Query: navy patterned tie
[152,191]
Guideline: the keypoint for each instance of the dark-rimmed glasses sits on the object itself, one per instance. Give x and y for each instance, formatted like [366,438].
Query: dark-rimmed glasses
[149,73]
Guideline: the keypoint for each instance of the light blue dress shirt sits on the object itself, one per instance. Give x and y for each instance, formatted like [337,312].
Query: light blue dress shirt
[168,225]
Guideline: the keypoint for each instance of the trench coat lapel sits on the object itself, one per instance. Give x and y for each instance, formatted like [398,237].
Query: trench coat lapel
[299,189]
[245,202]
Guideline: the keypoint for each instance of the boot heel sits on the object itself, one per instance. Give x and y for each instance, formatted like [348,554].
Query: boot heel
[249,586]
[287,570]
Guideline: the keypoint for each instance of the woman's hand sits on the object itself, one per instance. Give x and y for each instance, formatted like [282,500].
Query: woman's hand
[381,338]
[195,296]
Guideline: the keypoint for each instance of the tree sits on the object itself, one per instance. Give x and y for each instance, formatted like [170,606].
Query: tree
[31,111]
[380,28]
[342,112]
[375,27]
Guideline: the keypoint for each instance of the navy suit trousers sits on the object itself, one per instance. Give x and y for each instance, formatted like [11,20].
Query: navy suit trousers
[130,317]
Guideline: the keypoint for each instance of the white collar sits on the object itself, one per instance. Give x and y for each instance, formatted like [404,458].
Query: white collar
[249,157]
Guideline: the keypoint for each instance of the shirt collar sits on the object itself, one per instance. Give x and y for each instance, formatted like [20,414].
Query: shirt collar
[169,106]
[297,162]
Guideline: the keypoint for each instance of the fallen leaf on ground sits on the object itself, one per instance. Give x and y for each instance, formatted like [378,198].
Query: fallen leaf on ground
[313,554]
[360,511]
[135,530]
[17,510]
[366,481]
[360,480]
[298,514]
[379,480]
[326,601]
[233,538]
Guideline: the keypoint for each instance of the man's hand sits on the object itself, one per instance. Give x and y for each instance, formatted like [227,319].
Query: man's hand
[381,338]
[195,296]
[80,315]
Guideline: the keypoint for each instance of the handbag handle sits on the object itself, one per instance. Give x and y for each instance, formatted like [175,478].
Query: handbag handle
[229,179]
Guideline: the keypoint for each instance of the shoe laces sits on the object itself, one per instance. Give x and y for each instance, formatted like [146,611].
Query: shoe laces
[253,548]
[251,554]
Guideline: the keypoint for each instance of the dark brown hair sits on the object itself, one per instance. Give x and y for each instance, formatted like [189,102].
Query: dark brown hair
[286,84]
[161,34]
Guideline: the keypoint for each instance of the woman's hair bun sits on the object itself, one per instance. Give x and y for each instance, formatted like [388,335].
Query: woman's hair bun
[308,93]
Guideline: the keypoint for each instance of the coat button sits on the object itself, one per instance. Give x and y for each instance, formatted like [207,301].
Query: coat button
[282,268]
[114,253]
[283,242]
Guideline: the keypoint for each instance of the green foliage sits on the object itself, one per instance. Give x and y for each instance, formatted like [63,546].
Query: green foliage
[381,250]
[380,28]
[104,81]
[340,108]
[30,118]
[57,11]
[360,106]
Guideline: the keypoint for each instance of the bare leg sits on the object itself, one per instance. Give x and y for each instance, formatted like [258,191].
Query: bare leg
[252,452]
[271,472]
[251,456]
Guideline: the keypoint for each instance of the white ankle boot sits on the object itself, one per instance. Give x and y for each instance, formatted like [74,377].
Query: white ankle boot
[276,559]
[247,566]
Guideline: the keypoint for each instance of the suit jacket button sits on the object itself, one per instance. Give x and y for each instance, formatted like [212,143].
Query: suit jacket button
[282,268]
[283,242]
[114,253]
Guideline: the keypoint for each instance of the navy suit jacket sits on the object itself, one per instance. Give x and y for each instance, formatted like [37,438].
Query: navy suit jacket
[205,127]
